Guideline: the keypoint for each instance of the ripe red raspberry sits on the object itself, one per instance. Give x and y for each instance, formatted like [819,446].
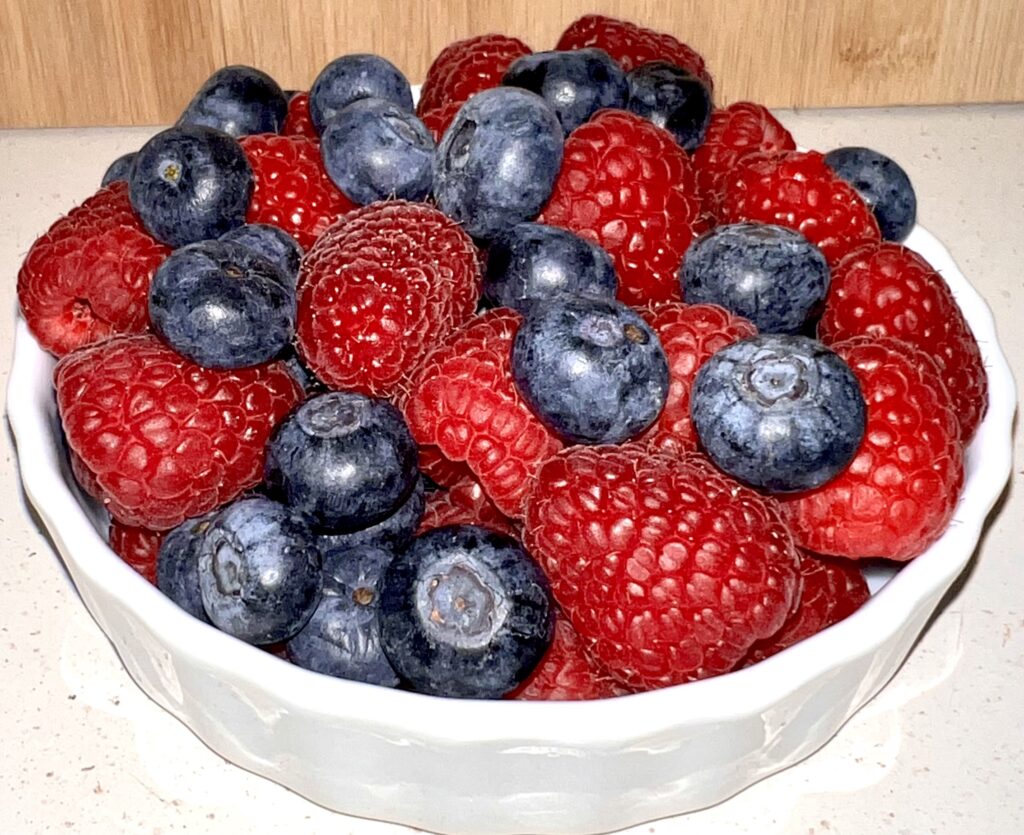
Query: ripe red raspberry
[797,189]
[463,401]
[88,277]
[626,185]
[437,119]
[667,568]
[690,334]
[466,67]
[291,188]
[161,438]
[566,673]
[440,470]
[464,503]
[734,133]
[298,121]
[136,546]
[898,494]
[888,290]
[379,290]
[832,590]
[632,45]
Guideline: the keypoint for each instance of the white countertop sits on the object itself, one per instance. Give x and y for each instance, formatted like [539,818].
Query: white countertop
[939,751]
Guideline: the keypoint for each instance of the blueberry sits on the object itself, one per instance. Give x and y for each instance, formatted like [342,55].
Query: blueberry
[342,638]
[466,613]
[177,565]
[671,98]
[782,413]
[771,275]
[576,83]
[393,533]
[189,184]
[533,261]
[342,460]
[353,77]
[221,305]
[259,572]
[119,169]
[272,243]
[498,160]
[373,150]
[882,184]
[591,369]
[238,100]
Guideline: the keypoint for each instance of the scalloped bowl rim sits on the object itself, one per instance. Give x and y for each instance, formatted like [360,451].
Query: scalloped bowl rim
[598,725]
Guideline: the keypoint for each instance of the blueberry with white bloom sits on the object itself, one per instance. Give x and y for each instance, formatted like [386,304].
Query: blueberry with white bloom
[769,274]
[781,413]
[259,572]
[498,160]
[374,150]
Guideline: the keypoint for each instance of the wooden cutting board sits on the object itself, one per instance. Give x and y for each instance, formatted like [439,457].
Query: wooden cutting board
[96,62]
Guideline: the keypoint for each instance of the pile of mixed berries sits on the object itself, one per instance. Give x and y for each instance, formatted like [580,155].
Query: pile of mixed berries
[561,384]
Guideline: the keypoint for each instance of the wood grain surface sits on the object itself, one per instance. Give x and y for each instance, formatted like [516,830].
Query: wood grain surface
[113,62]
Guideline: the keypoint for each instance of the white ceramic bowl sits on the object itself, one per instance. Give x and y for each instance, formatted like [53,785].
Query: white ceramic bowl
[504,767]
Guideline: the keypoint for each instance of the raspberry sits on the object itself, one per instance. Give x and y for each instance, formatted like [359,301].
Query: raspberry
[136,546]
[160,438]
[298,122]
[566,673]
[735,132]
[832,590]
[88,277]
[464,402]
[466,67]
[632,45]
[690,334]
[797,189]
[379,289]
[291,188]
[464,503]
[440,470]
[437,119]
[668,569]
[898,494]
[626,185]
[888,290]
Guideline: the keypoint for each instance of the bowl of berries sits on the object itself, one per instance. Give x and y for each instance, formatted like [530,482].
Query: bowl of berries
[551,452]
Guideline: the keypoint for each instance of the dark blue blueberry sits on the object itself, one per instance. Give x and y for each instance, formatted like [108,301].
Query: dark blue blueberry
[259,571]
[576,83]
[177,565]
[272,243]
[342,638]
[119,169]
[497,163]
[238,100]
[773,276]
[782,413]
[533,261]
[374,150]
[222,305]
[353,77]
[343,461]
[882,184]
[671,98]
[591,369]
[392,534]
[189,184]
[466,613]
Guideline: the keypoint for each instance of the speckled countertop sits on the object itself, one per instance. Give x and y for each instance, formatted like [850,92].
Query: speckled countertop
[938,751]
